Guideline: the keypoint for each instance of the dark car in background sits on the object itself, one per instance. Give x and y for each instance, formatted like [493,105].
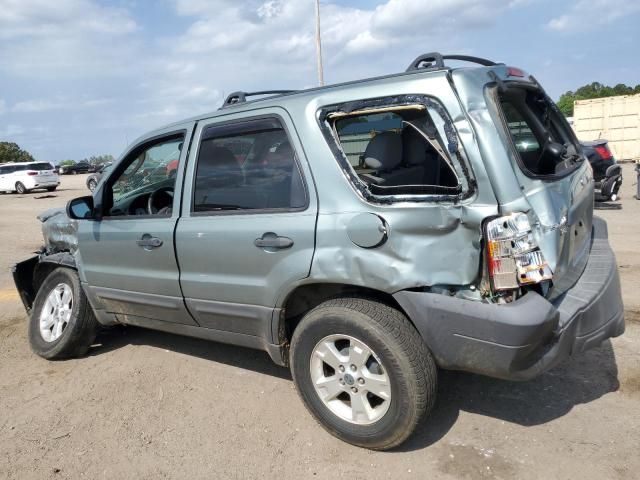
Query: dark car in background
[607,173]
[80,167]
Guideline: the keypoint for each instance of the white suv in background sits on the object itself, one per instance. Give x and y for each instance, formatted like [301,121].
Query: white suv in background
[25,176]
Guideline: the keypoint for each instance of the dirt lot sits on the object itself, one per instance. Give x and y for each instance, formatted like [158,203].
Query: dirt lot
[154,405]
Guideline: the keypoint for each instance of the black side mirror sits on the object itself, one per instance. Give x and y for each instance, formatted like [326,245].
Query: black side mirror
[82,208]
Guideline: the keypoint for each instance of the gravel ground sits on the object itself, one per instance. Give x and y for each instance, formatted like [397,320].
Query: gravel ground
[152,405]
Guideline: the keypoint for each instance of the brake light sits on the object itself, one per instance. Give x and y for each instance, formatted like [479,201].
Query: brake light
[515,72]
[604,152]
[32,173]
[513,255]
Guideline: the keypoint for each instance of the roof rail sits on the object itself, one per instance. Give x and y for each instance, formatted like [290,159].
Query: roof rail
[241,97]
[435,60]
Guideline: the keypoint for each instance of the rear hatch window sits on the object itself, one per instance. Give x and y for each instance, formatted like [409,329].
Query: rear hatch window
[39,166]
[542,140]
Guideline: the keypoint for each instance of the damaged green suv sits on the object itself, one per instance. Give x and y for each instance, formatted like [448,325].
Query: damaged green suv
[363,234]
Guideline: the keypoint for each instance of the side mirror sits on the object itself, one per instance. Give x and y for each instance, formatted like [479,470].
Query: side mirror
[81,208]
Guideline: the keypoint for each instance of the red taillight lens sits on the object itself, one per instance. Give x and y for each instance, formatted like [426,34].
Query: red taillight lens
[515,72]
[604,152]
[32,173]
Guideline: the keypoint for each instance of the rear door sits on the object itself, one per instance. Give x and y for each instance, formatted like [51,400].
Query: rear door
[248,220]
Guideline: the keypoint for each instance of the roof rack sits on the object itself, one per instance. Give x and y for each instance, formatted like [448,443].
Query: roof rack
[435,60]
[241,97]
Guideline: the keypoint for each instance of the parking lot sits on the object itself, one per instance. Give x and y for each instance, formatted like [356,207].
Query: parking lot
[154,405]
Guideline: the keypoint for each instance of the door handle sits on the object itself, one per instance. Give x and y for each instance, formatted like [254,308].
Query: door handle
[270,240]
[148,242]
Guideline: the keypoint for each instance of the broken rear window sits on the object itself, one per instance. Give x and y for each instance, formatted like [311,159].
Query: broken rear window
[405,149]
[540,135]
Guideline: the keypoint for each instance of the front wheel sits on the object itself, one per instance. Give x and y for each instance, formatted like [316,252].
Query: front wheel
[92,185]
[62,323]
[363,371]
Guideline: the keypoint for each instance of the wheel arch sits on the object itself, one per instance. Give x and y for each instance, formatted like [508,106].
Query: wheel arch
[305,297]
[29,274]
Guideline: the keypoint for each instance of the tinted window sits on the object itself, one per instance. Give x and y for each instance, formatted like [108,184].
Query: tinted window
[40,166]
[250,166]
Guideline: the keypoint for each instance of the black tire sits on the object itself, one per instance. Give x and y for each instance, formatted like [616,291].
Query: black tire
[92,184]
[20,188]
[51,189]
[405,358]
[80,331]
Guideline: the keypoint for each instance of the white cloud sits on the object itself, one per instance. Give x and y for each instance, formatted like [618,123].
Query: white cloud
[37,105]
[20,18]
[593,13]
[101,78]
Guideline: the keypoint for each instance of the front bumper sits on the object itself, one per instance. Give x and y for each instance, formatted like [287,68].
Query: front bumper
[521,340]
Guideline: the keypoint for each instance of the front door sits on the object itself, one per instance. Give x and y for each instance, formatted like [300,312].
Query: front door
[128,257]
[248,224]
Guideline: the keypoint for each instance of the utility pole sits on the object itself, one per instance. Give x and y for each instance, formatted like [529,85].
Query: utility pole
[319,45]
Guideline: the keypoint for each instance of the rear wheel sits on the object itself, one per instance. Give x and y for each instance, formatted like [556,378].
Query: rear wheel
[363,371]
[62,323]
[20,188]
[51,189]
[75,172]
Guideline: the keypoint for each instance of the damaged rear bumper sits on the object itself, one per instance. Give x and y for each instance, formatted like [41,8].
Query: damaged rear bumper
[521,340]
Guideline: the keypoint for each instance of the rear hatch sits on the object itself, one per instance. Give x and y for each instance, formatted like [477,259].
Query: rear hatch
[554,176]
[43,172]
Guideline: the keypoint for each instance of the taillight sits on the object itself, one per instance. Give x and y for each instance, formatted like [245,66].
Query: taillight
[513,255]
[604,152]
[32,173]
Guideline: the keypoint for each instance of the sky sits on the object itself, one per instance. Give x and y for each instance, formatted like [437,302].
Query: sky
[86,77]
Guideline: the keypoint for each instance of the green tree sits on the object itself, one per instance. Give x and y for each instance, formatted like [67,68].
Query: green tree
[11,152]
[592,90]
[64,163]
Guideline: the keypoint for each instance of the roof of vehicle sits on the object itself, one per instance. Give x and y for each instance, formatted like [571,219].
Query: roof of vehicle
[24,163]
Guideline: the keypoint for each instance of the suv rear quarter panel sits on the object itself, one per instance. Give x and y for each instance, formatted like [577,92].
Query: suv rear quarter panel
[429,243]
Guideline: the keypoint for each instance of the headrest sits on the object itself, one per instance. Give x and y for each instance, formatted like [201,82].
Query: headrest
[384,151]
[414,146]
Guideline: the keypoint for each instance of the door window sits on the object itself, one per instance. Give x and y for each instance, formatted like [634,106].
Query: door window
[147,183]
[247,166]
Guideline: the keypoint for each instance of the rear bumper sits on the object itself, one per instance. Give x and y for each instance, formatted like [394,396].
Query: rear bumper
[521,340]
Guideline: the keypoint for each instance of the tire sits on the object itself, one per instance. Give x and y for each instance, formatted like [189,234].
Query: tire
[75,172]
[51,189]
[81,328]
[398,352]
[92,184]
[20,188]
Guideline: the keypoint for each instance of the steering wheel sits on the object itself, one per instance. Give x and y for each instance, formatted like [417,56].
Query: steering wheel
[161,193]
